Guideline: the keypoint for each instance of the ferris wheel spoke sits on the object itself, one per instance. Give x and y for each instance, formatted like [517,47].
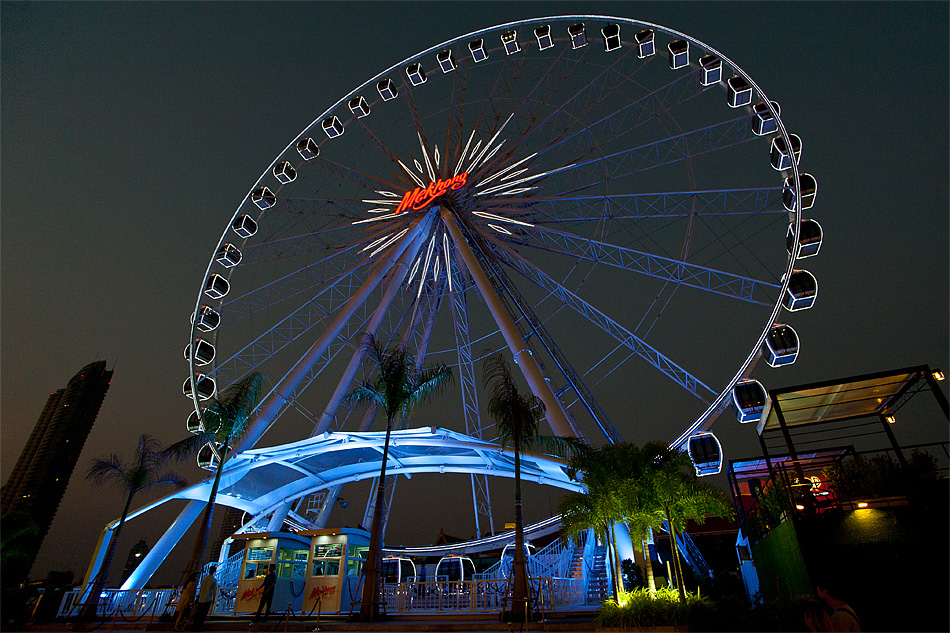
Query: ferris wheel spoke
[573,208]
[327,270]
[315,312]
[620,122]
[574,380]
[366,181]
[589,173]
[679,272]
[653,356]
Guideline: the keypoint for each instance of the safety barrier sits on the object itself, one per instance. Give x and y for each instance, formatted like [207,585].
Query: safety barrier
[478,596]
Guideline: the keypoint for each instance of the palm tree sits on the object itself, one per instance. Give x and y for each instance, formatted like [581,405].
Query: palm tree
[399,386]
[679,496]
[224,421]
[141,474]
[614,478]
[517,419]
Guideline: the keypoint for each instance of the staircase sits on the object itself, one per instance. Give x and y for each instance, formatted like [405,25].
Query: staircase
[597,577]
[577,563]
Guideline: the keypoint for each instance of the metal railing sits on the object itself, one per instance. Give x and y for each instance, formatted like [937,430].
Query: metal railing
[477,596]
[131,603]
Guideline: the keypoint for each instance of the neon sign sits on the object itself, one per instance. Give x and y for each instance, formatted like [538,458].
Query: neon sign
[420,197]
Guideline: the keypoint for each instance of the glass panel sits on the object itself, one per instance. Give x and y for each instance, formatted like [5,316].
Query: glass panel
[328,550]
[260,553]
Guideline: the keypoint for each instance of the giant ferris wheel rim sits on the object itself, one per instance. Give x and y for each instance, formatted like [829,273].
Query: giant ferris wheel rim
[705,420]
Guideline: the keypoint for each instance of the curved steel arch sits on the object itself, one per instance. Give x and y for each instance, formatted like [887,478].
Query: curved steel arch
[259,481]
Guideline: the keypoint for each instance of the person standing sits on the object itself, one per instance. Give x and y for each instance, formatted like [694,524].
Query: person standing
[267,592]
[205,598]
[183,608]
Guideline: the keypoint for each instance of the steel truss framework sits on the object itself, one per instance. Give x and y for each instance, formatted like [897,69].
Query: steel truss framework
[595,212]
[260,481]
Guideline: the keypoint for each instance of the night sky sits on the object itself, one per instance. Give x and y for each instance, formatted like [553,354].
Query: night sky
[131,131]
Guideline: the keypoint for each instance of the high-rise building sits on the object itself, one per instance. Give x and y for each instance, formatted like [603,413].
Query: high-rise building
[39,479]
[230,525]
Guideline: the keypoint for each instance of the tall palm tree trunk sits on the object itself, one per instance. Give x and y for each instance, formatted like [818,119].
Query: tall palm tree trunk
[204,528]
[520,591]
[615,559]
[102,578]
[678,568]
[369,605]
[648,567]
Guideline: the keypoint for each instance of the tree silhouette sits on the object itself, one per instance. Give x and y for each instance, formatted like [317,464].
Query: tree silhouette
[517,419]
[142,473]
[224,421]
[398,387]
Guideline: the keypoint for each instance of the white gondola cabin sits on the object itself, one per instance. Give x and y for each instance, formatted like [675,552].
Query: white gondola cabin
[284,172]
[510,42]
[749,398]
[578,35]
[764,123]
[477,48]
[228,256]
[204,351]
[780,346]
[446,61]
[646,44]
[611,34]
[207,319]
[264,198]
[416,75]
[802,291]
[809,238]
[204,385]
[216,286]
[543,35]
[244,226]
[308,148]
[387,89]
[332,126]
[809,192]
[679,54]
[705,452]
[712,69]
[359,106]
[193,424]
[739,92]
[207,457]
[780,156]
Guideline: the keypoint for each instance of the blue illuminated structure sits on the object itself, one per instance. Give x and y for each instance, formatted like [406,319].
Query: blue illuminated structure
[563,185]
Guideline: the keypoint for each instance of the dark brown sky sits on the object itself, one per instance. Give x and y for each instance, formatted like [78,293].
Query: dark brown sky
[131,131]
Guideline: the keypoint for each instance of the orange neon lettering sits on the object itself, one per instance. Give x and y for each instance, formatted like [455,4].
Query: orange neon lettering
[420,197]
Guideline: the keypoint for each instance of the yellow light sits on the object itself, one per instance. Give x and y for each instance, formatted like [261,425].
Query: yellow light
[890,419]
[862,504]
[799,506]
[938,375]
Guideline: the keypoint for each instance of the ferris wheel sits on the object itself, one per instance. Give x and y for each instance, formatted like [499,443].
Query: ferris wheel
[614,203]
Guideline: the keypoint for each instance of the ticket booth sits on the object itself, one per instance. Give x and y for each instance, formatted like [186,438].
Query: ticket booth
[288,552]
[336,562]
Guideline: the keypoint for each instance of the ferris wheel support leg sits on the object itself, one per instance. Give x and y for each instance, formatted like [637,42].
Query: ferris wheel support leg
[157,555]
[285,390]
[522,355]
[343,386]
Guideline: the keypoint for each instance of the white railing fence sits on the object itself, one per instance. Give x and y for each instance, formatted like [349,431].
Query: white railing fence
[130,604]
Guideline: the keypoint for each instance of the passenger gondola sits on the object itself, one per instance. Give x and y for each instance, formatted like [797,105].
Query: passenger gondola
[809,238]
[705,453]
[780,346]
[749,398]
[802,291]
